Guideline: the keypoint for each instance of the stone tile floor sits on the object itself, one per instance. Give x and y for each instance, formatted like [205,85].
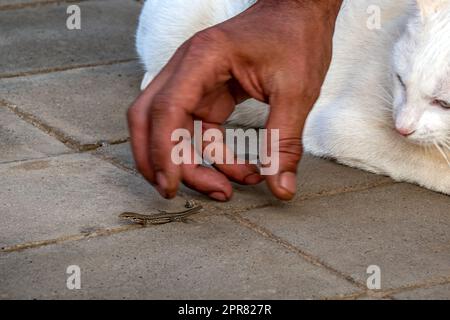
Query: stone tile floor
[67,172]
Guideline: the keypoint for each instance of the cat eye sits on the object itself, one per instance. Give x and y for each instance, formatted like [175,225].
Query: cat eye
[442,103]
[401,81]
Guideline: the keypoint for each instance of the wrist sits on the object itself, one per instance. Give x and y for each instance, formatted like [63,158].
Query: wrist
[327,8]
[321,13]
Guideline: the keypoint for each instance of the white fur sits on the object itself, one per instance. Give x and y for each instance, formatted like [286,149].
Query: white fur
[165,24]
[363,106]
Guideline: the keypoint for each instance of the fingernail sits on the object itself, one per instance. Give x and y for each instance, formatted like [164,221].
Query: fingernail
[253,178]
[288,181]
[161,184]
[220,196]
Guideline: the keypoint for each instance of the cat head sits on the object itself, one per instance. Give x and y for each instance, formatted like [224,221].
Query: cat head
[421,70]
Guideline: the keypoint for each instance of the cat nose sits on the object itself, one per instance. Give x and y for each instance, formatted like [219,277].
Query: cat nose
[406,132]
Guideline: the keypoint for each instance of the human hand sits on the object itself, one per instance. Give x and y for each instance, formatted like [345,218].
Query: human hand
[277,52]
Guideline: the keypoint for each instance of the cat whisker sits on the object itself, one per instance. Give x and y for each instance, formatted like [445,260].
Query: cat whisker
[386,92]
[426,147]
[446,145]
[385,100]
[443,153]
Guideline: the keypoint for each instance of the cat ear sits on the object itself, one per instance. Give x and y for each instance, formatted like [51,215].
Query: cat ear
[430,7]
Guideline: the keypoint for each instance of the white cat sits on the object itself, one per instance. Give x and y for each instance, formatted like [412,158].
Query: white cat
[385,104]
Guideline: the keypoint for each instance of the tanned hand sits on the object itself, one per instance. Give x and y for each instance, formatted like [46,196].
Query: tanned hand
[277,51]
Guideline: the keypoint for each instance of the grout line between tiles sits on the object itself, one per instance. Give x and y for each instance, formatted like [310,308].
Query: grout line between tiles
[287,245]
[34,4]
[64,68]
[55,132]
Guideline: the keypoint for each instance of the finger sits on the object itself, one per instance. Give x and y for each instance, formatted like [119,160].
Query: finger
[139,128]
[197,74]
[207,181]
[140,125]
[246,174]
[224,158]
[288,117]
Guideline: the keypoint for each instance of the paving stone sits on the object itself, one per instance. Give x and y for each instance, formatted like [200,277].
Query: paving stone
[317,177]
[18,3]
[86,105]
[43,41]
[212,258]
[324,177]
[403,229]
[119,152]
[20,140]
[69,194]
[440,292]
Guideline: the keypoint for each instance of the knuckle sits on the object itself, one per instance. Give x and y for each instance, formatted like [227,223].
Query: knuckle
[291,151]
[163,103]
[208,36]
[131,112]
[206,42]
[165,106]
[304,90]
[134,113]
[304,95]
[312,93]
[160,102]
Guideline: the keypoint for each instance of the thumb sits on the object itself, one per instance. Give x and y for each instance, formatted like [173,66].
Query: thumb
[286,120]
